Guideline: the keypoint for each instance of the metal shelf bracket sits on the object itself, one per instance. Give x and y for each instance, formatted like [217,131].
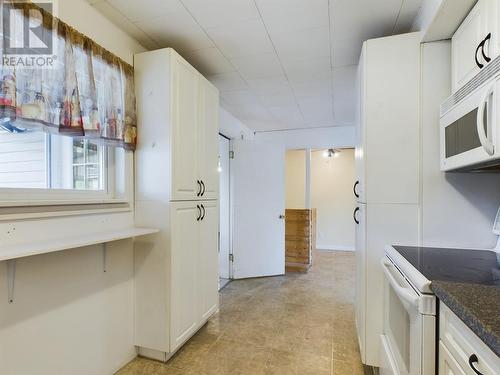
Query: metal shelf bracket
[11,278]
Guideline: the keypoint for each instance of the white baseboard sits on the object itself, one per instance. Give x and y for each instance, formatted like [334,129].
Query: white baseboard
[335,247]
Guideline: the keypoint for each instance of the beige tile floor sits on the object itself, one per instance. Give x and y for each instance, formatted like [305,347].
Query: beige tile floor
[294,324]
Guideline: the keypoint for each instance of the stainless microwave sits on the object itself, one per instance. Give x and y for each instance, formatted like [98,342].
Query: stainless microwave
[470,132]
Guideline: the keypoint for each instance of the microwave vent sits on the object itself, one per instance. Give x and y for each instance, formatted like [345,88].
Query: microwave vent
[490,71]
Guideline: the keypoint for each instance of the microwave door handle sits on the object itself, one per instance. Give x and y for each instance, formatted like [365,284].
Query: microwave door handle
[405,294]
[483,137]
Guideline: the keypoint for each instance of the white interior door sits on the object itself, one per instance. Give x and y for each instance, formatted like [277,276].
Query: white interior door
[258,195]
[224,242]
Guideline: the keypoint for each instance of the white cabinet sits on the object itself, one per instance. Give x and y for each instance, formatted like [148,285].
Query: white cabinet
[460,350]
[185,127]
[387,166]
[475,42]
[177,189]
[181,108]
[208,139]
[208,284]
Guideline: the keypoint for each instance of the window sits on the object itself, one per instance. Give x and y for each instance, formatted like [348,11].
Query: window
[56,167]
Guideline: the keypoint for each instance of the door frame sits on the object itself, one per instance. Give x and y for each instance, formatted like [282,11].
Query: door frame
[231,209]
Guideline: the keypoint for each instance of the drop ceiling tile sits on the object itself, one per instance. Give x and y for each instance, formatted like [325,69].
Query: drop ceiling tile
[363,19]
[269,85]
[322,87]
[289,115]
[347,52]
[258,66]
[345,77]
[176,30]
[124,23]
[278,99]
[209,61]
[304,70]
[310,43]
[221,13]
[293,15]
[408,12]
[242,39]
[317,111]
[344,110]
[228,82]
[137,11]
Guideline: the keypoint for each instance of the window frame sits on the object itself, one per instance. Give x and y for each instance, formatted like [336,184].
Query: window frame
[118,183]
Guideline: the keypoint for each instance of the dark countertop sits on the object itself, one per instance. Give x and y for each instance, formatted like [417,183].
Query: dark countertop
[478,306]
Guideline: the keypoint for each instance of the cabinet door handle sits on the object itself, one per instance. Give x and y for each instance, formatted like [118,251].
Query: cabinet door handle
[473,359]
[199,213]
[203,207]
[203,186]
[481,47]
[355,215]
[199,188]
[356,194]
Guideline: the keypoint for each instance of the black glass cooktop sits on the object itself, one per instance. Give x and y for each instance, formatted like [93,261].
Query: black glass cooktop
[459,265]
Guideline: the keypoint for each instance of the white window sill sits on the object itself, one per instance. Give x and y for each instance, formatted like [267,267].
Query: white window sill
[27,249]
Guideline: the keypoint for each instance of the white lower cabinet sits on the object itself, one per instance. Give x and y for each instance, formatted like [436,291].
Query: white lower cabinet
[176,276]
[460,350]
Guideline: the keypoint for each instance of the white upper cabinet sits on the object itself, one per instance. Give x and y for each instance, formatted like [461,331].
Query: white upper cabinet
[475,43]
[185,90]
[208,140]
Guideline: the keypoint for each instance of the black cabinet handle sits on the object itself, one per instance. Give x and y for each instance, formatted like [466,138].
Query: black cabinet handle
[355,215]
[473,359]
[199,213]
[203,191]
[354,189]
[481,47]
[199,188]
[203,207]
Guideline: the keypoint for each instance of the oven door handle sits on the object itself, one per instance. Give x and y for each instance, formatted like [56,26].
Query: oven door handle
[483,137]
[407,295]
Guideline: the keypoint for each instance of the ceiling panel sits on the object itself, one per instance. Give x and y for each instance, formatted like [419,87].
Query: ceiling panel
[242,39]
[228,81]
[279,64]
[221,13]
[209,61]
[310,43]
[141,10]
[265,65]
[304,70]
[180,32]
[293,15]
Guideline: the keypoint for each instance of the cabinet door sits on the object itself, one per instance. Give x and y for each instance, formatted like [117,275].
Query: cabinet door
[208,260]
[360,216]
[208,139]
[447,364]
[183,272]
[465,42]
[184,130]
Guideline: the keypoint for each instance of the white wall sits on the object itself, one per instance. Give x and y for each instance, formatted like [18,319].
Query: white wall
[295,179]
[69,317]
[267,151]
[332,180]
[233,128]
[458,209]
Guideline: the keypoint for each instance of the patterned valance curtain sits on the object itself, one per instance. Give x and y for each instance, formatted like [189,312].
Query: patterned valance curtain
[80,90]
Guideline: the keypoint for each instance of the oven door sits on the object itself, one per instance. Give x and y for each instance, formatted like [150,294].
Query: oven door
[468,131]
[402,341]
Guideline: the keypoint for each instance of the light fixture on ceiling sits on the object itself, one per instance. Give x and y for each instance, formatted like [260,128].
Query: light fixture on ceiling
[331,153]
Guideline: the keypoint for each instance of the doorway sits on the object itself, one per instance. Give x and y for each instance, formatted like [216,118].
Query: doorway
[225,217]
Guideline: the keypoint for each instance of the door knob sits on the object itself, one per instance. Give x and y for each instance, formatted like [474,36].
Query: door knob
[282,217]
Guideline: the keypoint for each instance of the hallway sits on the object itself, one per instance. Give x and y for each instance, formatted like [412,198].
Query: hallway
[295,324]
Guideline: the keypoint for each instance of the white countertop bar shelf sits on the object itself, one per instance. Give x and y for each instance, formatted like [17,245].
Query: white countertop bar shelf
[27,249]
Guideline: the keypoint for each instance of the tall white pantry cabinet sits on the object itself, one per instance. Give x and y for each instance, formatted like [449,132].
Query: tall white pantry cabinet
[177,188]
